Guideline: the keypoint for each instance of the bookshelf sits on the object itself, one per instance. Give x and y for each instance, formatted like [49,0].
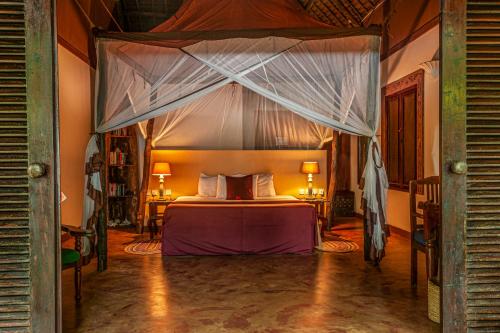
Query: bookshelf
[121,177]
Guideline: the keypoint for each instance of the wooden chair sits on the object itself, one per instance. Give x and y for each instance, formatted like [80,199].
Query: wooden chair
[73,258]
[155,215]
[432,232]
[430,187]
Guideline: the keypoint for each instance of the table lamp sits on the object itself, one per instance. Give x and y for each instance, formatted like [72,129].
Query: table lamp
[161,169]
[310,168]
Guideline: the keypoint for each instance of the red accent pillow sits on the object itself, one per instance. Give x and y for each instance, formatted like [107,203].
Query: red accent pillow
[239,188]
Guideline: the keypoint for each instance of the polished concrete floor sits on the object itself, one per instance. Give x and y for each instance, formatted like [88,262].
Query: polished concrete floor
[322,292]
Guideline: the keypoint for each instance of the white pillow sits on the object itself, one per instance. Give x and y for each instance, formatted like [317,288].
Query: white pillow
[222,185]
[265,185]
[254,186]
[207,186]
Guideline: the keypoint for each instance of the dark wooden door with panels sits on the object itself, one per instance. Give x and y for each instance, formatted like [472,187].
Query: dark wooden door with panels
[470,143]
[29,225]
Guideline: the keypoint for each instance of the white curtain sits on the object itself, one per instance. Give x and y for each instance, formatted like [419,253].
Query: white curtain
[90,185]
[234,117]
[332,82]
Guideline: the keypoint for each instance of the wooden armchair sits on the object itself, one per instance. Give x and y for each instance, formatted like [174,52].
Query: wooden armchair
[430,186]
[73,257]
[432,231]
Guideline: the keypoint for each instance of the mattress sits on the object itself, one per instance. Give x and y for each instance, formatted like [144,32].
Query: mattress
[220,227]
[196,198]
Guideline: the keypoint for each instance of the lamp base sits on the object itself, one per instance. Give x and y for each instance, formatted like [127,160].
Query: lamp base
[309,185]
[161,190]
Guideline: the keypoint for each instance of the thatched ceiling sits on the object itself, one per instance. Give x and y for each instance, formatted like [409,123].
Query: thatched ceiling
[341,13]
[142,15]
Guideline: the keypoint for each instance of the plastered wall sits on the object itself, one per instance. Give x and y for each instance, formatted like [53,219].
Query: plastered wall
[75,126]
[186,166]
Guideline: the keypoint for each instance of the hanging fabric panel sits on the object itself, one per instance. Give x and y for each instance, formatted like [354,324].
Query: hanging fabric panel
[233,117]
[268,125]
[213,121]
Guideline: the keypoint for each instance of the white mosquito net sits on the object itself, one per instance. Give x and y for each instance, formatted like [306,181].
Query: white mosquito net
[231,92]
[248,93]
[234,117]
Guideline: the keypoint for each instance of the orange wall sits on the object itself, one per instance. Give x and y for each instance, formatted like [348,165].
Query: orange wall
[74,30]
[75,80]
[404,19]
[186,166]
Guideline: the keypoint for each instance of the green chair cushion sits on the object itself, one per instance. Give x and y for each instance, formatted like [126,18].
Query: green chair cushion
[69,256]
[419,237]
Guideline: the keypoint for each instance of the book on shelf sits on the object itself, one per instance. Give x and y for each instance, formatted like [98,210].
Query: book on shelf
[117,190]
[117,158]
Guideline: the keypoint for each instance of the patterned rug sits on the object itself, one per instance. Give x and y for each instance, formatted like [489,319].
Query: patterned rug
[144,247]
[331,243]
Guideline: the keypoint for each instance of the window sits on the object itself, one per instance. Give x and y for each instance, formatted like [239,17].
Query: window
[402,130]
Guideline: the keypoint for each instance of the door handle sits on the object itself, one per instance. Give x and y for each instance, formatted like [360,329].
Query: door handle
[458,167]
[36,170]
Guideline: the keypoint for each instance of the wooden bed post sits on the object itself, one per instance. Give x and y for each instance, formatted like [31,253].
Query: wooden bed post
[102,221]
[141,207]
[333,178]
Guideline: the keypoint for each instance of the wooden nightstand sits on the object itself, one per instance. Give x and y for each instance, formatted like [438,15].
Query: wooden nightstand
[320,204]
[154,215]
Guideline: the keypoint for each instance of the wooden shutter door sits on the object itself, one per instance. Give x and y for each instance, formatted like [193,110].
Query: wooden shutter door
[28,218]
[483,159]
[470,133]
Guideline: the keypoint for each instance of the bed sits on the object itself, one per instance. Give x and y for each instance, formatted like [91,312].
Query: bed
[196,225]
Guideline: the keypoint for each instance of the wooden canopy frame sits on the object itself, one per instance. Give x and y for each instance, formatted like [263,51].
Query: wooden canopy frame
[312,33]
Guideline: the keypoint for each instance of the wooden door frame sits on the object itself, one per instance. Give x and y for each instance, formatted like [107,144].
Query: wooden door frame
[43,128]
[43,136]
[453,148]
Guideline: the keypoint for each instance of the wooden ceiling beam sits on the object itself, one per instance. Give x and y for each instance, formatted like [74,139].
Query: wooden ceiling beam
[375,7]
[309,33]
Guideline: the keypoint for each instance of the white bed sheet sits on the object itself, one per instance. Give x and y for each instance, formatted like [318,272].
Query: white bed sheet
[199,198]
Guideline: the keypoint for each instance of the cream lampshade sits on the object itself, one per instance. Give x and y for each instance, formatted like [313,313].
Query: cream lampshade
[161,169]
[310,168]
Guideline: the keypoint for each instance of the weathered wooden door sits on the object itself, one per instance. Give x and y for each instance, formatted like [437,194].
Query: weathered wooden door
[29,237]
[470,137]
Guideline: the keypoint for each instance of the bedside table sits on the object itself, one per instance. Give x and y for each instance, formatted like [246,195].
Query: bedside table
[320,205]
[154,215]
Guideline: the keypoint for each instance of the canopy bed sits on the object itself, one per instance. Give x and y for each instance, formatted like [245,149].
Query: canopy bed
[246,75]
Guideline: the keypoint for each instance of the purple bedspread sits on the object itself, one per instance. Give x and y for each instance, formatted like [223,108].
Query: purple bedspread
[218,229]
